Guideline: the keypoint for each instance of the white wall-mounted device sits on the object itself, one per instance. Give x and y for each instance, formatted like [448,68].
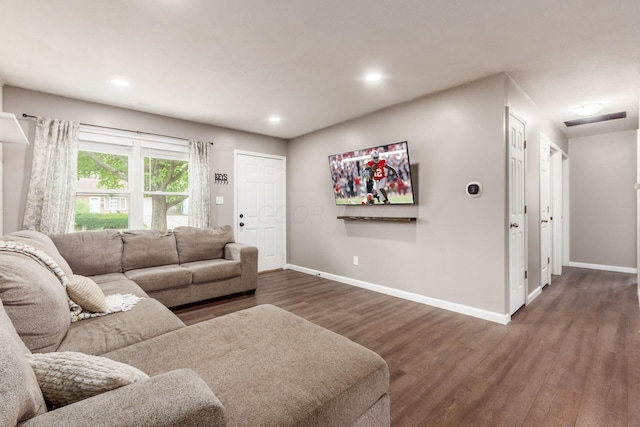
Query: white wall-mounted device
[474,189]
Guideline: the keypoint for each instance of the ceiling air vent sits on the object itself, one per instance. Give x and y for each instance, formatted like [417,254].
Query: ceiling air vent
[595,119]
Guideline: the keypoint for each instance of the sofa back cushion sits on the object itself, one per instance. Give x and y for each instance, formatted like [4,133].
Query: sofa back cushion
[35,301]
[148,248]
[44,243]
[198,244]
[21,396]
[90,253]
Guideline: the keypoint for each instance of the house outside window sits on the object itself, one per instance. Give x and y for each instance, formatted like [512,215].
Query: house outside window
[128,180]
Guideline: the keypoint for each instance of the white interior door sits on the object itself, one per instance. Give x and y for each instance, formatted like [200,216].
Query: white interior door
[545,212]
[557,214]
[566,212]
[517,219]
[260,207]
[637,187]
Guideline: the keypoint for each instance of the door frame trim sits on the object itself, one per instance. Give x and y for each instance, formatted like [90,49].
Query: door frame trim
[236,154]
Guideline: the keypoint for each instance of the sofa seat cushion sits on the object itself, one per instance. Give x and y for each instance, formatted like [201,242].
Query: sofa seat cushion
[35,301]
[91,252]
[162,277]
[118,283]
[20,395]
[270,367]
[148,319]
[109,277]
[197,244]
[212,270]
[148,248]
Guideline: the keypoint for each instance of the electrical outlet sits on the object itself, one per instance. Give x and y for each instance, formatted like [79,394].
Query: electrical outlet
[355,260]
[219,200]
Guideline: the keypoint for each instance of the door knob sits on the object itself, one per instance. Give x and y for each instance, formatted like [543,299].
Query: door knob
[241,216]
[544,220]
[514,225]
[241,224]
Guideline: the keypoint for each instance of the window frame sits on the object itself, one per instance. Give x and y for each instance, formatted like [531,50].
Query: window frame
[136,146]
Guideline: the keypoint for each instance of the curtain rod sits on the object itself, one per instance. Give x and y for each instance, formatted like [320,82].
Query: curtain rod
[29,116]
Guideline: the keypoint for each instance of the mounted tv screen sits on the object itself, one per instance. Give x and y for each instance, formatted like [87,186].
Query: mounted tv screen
[373,176]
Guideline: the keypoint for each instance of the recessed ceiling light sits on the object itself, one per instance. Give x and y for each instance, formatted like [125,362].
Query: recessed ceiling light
[274,119]
[373,77]
[120,82]
[588,109]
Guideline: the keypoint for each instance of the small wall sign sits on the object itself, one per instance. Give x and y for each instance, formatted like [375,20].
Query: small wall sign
[221,178]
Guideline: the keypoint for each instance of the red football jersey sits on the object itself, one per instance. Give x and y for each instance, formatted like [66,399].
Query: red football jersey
[379,171]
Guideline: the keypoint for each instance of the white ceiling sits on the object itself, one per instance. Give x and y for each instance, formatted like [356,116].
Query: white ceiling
[233,63]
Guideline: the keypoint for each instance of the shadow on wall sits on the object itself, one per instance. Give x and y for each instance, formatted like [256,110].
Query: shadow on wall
[383,230]
[380,231]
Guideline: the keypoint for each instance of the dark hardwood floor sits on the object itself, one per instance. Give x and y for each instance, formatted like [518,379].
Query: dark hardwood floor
[572,357]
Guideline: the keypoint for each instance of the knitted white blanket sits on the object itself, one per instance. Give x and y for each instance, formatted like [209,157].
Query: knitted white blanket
[115,303]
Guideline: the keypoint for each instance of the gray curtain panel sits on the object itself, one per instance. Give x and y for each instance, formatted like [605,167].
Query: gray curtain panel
[199,184]
[52,188]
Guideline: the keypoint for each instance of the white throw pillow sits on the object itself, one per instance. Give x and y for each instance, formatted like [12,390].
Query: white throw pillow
[87,294]
[67,376]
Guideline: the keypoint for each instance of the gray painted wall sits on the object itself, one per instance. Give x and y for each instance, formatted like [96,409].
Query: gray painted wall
[603,199]
[456,251]
[17,160]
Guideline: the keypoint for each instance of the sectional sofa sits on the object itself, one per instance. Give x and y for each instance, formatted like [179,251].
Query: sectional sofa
[175,267]
[258,367]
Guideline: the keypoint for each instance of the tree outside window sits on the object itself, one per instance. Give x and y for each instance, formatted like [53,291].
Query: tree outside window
[162,198]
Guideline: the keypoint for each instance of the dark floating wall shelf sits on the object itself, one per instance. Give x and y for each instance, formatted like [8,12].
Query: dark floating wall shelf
[379,218]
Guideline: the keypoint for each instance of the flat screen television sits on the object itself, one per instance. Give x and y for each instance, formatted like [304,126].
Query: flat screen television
[373,176]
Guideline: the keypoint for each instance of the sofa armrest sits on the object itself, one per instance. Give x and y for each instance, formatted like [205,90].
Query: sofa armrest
[176,398]
[240,252]
[248,257]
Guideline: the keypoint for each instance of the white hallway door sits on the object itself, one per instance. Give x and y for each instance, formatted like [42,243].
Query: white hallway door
[558,164]
[545,212]
[260,206]
[517,218]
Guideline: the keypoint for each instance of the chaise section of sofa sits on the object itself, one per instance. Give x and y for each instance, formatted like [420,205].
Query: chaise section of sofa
[269,367]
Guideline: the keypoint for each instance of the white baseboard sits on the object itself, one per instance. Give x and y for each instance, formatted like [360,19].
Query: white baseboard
[535,294]
[502,319]
[617,269]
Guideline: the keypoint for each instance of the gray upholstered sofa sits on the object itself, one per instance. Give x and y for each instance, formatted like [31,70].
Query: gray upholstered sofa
[262,366]
[175,267]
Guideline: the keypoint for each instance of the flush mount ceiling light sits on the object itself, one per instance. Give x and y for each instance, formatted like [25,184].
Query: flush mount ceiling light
[274,119]
[588,109]
[120,82]
[373,77]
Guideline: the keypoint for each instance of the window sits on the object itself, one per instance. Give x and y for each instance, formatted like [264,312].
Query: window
[115,204]
[128,180]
